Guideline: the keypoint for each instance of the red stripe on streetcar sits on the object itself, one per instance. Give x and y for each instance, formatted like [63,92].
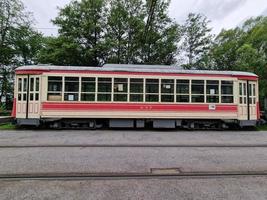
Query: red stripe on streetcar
[135,107]
[14,108]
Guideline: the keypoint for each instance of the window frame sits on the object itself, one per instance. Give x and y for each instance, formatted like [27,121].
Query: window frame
[141,94]
[54,93]
[227,95]
[86,92]
[77,93]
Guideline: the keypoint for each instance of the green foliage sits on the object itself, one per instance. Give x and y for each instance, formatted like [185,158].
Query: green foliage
[114,31]
[19,44]
[160,34]
[8,126]
[60,51]
[125,22]
[243,49]
[82,29]
[197,40]
[262,127]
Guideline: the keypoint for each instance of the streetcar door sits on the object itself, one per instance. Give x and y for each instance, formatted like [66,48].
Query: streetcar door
[247,100]
[34,97]
[252,100]
[22,88]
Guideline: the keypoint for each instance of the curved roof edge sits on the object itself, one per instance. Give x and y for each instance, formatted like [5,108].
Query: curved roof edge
[133,68]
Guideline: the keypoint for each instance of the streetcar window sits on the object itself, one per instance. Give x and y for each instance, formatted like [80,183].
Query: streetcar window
[182,91]
[136,85]
[24,97]
[120,97]
[197,87]
[88,89]
[71,84]
[182,86]
[120,85]
[167,90]
[227,99]
[37,84]
[104,84]
[36,96]
[167,98]
[31,84]
[182,98]
[197,90]
[152,86]
[19,97]
[136,97]
[152,90]
[120,89]
[212,87]
[19,85]
[87,97]
[136,89]
[88,84]
[197,98]
[71,89]
[104,89]
[54,84]
[227,92]
[54,88]
[212,99]
[212,91]
[152,98]
[104,97]
[31,97]
[250,90]
[25,82]
[71,97]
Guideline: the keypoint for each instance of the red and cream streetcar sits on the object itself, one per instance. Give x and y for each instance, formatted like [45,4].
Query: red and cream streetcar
[134,96]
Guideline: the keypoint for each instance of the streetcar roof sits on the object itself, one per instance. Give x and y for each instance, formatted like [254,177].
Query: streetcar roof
[132,68]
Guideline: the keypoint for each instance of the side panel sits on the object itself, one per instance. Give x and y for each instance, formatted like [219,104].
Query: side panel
[132,110]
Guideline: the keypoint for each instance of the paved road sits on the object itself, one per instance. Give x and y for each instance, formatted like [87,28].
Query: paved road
[109,137]
[131,160]
[251,188]
[84,159]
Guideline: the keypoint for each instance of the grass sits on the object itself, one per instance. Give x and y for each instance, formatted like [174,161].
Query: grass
[262,128]
[7,126]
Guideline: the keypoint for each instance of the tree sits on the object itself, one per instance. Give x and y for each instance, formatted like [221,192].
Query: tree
[124,29]
[161,34]
[82,24]
[224,49]
[19,43]
[60,51]
[197,40]
[11,16]
[27,44]
[244,49]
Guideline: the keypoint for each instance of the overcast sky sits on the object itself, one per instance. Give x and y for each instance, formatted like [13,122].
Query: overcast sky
[222,13]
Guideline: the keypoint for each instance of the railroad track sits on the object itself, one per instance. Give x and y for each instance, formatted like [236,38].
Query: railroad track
[139,145]
[121,176]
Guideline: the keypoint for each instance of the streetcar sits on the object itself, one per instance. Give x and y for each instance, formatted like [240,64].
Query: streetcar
[134,96]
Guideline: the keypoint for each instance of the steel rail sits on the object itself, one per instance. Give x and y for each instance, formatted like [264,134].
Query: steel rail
[139,145]
[119,176]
